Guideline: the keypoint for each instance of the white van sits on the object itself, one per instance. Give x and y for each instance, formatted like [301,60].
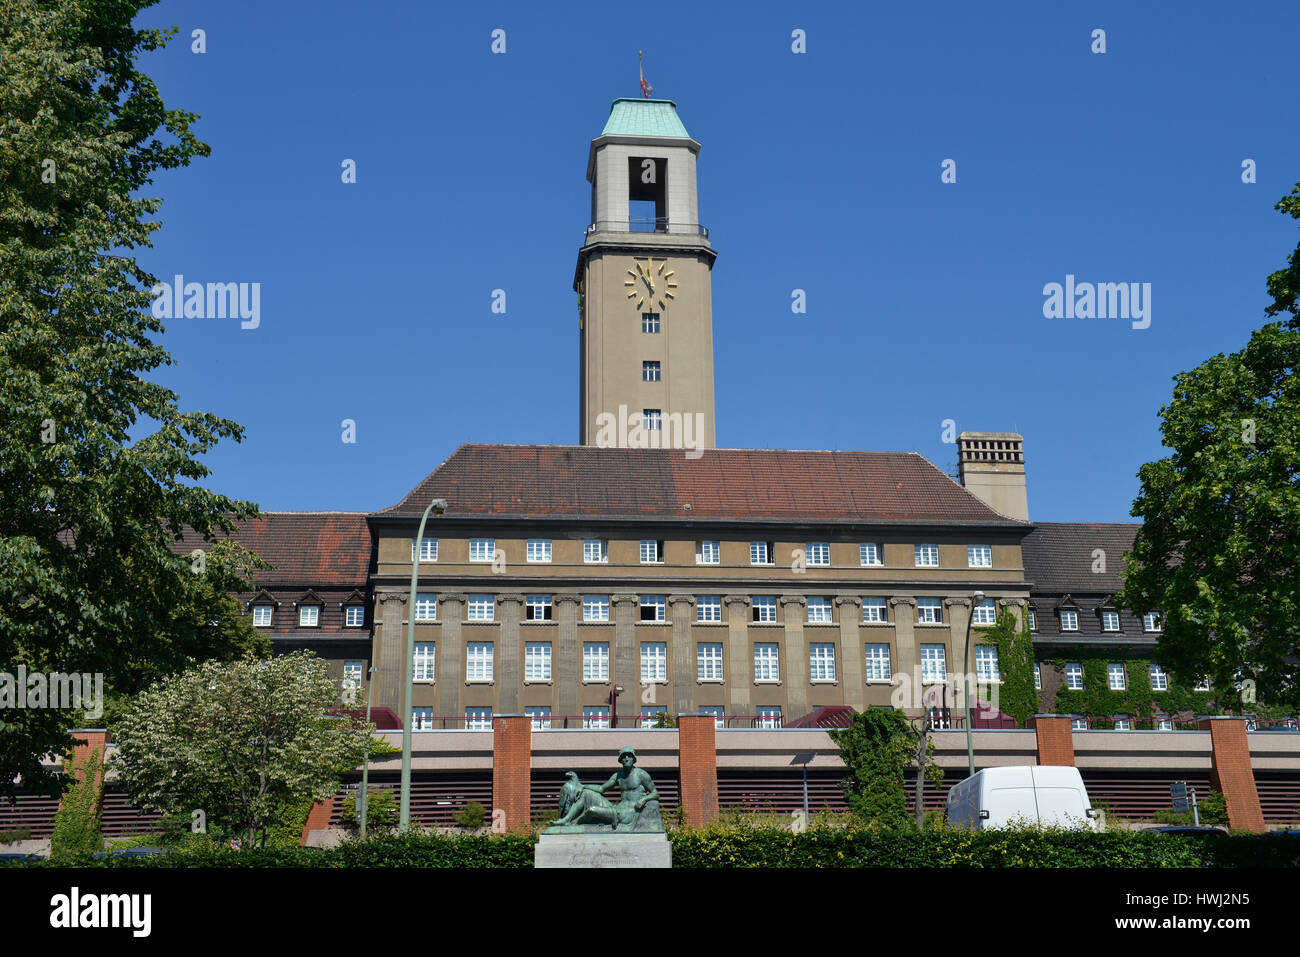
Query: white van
[1029,794]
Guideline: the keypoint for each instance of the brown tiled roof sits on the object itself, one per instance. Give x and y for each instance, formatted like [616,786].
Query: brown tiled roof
[550,481]
[1058,556]
[313,549]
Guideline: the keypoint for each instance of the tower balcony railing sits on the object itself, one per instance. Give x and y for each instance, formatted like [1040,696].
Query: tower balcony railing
[653,224]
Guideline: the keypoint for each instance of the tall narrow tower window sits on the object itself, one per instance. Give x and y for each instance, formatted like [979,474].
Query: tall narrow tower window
[651,419]
[649,322]
[649,371]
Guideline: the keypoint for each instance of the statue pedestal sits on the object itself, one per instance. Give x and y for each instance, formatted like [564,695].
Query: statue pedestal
[607,849]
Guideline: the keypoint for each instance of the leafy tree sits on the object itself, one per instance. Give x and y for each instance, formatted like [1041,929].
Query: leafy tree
[1284,285]
[875,750]
[239,741]
[100,465]
[1218,552]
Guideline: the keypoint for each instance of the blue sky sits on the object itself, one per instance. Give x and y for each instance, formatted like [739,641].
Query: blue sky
[819,171]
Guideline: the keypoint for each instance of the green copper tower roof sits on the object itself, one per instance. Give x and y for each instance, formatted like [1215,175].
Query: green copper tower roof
[634,117]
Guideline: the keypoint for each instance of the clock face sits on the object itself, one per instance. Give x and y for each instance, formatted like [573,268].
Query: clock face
[651,284]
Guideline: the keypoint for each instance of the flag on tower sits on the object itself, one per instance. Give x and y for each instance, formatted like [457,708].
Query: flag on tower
[646,88]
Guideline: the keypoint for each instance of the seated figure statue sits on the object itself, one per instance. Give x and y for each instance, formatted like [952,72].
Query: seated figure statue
[637,808]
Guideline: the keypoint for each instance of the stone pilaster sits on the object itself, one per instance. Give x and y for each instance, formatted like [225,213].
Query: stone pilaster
[625,662]
[957,612]
[681,611]
[451,654]
[795,665]
[851,655]
[566,663]
[392,649]
[907,665]
[509,654]
[740,657]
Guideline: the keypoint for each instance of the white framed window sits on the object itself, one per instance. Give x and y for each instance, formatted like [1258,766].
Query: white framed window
[478,719]
[1159,680]
[261,616]
[818,553]
[819,611]
[1109,620]
[595,551]
[979,556]
[649,371]
[764,608]
[650,715]
[878,666]
[1074,676]
[708,608]
[873,610]
[308,616]
[1116,679]
[478,661]
[539,550]
[1164,724]
[426,607]
[541,717]
[428,549]
[767,661]
[1069,619]
[708,661]
[654,661]
[1202,685]
[821,661]
[1151,621]
[654,608]
[768,716]
[424,661]
[595,608]
[1038,678]
[760,553]
[482,607]
[352,671]
[985,613]
[715,711]
[934,664]
[929,611]
[482,549]
[986,663]
[421,719]
[927,556]
[1123,724]
[595,661]
[537,661]
[651,420]
[652,552]
[595,716]
[869,554]
[649,322]
[354,616]
[708,553]
[1033,621]
[538,608]
[1078,724]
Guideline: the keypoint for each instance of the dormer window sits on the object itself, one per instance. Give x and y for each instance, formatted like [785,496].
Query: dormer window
[261,616]
[354,616]
[309,616]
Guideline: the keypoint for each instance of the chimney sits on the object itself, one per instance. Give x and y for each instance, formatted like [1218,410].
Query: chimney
[991,466]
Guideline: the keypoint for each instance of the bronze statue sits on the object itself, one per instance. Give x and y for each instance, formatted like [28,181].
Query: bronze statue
[584,807]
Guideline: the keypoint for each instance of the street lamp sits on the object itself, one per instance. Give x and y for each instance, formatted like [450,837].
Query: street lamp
[976,600]
[437,506]
[363,801]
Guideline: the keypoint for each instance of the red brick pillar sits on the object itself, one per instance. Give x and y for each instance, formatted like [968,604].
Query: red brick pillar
[698,762]
[84,744]
[1055,739]
[1232,774]
[512,771]
[318,818]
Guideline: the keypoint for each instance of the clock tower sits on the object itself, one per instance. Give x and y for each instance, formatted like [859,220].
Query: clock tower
[644,299]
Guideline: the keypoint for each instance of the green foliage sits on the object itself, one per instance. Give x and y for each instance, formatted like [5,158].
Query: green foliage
[243,742]
[1284,285]
[381,809]
[14,835]
[101,467]
[76,836]
[1096,699]
[472,816]
[875,750]
[1212,808]
[285,829]
[1016,693]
